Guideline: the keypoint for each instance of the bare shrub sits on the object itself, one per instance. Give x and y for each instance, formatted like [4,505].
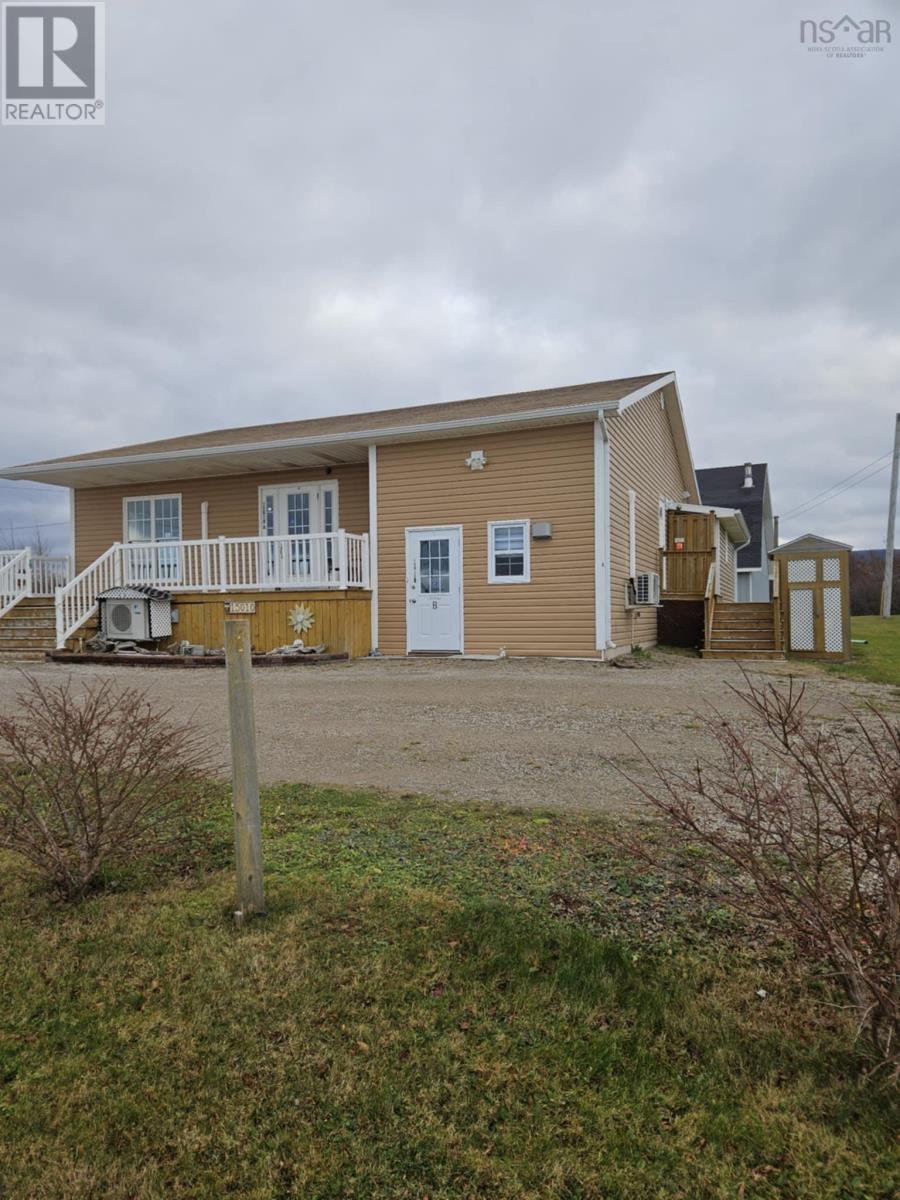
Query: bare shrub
[799,819]
[92,779]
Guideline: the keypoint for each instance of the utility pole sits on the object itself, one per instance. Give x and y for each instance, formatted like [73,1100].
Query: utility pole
[245,784]
[888,585]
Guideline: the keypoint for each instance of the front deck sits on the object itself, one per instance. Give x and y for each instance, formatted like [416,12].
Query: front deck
[42,607]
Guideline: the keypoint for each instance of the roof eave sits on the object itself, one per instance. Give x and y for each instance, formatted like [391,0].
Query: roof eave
[64,473]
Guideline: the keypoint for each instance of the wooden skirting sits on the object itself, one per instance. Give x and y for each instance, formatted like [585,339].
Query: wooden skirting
[342,619]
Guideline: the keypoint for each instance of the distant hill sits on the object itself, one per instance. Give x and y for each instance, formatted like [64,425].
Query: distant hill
[866,575]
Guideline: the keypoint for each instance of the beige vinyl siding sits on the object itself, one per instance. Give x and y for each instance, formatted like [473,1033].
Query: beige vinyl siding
[642,457]
[233,505]
[727,568]
[541,475]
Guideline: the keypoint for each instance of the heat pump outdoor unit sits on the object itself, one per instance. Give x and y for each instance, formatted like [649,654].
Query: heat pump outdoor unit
[646,588]
[135,614]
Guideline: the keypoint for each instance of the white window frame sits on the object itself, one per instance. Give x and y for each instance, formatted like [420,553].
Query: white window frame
[331,485]
[126,500]
[525,577]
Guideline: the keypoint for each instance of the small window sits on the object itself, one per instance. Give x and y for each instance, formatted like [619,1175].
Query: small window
[509,552]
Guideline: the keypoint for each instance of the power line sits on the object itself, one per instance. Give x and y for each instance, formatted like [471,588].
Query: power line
[32,525]
[847,478]
[32,487]
[809,506]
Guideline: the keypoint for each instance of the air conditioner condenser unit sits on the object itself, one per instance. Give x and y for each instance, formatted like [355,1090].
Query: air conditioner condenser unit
[135,614]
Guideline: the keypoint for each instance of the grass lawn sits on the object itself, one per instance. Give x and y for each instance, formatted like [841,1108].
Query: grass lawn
[879,661]
[443,1002]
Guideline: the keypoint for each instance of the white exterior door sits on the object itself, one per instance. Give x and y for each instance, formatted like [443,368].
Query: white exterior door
[434,589]
[296,512]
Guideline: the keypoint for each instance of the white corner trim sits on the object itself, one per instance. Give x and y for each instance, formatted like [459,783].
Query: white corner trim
[72,531]
[373,542]
[602,590]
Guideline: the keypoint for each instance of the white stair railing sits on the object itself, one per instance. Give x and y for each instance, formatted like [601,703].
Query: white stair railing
[15,579]
[76,601]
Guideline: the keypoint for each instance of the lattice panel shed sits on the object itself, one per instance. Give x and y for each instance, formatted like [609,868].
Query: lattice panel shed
[813,587]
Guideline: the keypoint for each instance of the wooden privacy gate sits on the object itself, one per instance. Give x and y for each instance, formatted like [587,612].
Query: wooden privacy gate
[690,551]
[814,593]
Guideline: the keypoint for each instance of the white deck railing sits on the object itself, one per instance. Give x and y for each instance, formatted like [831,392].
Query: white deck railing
[25,574]
[13,578]
[48,572]
[310,561]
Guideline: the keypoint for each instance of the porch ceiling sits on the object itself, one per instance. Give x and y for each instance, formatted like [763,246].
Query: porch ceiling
[102,473]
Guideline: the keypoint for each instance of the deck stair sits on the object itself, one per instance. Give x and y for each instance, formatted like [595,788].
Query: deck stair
[742,631]
[28,630]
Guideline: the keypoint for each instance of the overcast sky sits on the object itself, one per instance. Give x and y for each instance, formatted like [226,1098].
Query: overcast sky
[301,209]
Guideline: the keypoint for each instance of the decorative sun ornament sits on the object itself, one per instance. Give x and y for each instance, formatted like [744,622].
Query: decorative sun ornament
[301,618]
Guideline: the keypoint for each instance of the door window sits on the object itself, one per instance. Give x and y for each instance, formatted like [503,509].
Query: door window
[298,513]
[434,566]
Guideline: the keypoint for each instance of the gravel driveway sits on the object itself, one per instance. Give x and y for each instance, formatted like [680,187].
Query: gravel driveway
[518,731]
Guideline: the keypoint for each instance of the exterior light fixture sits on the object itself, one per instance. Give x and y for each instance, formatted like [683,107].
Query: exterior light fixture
[476,461]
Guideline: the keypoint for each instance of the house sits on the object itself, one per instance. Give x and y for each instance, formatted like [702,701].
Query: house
[746,487]
[550,522]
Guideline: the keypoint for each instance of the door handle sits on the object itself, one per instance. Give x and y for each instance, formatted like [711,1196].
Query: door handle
[412,601]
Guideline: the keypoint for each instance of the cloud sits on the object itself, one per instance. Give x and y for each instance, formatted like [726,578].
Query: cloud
[297,210]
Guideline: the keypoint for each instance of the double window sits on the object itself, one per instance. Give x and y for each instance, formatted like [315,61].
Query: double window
[152,519]
[509,552]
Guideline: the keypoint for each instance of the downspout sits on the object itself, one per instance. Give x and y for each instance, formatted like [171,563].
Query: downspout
[602,585]
[373,544]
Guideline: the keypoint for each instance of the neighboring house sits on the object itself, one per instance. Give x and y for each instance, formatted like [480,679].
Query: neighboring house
[534,523]
[746,487]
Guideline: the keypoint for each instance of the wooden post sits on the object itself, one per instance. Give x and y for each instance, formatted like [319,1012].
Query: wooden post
[245,783]
[888,584]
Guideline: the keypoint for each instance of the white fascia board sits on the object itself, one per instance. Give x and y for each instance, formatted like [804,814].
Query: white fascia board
[362,436]
[656,386]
